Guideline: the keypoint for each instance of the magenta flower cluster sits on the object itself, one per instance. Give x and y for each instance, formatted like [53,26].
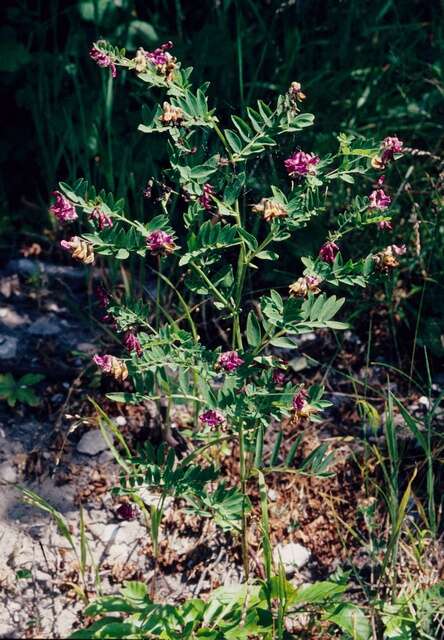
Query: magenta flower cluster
[103,59]
[301,164]
[206,198]
[299,399]
[229,361]
[212,418]
[62,208]
[159,56]
[328,252]
[390,146]
[160,243]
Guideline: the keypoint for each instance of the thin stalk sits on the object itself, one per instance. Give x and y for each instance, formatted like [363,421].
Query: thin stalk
[243,479]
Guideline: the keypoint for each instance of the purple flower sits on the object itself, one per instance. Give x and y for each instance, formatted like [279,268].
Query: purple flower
[229,361]
[164,62]
[379,200]
[103,220]
[301,164]
[206,198]
[212,418]
[126,511]
[160,56]
[278,377]
[132,343]
[104,362]
[328,252]
[299,399]
[389,146]
[102,296]
[160,243]
[62,208]
[103,59]
[385,225]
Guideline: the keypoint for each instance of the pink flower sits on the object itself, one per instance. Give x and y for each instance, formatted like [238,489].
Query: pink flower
[328,252]
[398,250]
[389,147]
[379,200]
[103,59]
[104,362]
[212,418]
[301,164]
[385,225]
[164,62]
[299,399]
[230,361]
[160,56]
[62,208]
[132,343]
[103,220]
[102,296]
[160,243]
[206,198]
[278,377]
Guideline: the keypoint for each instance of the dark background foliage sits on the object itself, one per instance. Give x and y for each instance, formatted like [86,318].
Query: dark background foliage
[368,68]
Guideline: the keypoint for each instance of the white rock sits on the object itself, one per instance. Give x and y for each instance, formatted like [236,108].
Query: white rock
[126,532]
[92,442]
[8,347]
[120,421]
[7,472]
[11,319]
[292,555]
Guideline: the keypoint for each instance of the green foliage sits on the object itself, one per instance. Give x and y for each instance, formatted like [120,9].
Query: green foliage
[13,391]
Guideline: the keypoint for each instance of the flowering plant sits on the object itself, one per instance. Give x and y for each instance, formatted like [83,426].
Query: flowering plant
[216,225]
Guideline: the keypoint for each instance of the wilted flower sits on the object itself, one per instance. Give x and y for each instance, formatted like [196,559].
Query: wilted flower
[206,198]
[270,209]
[140,60]
[132,343]
[212,418]
[301,408]
[301,164]
[79,249]
[103,220]
[387,258]
[103,59]
[229,361]
[164,62]
[389,146]
[171,116]
[160,243]
[62,208]
[305,285]
[112,365]
[295,91]
[328,251]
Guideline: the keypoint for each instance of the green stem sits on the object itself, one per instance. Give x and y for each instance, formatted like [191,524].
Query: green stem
[243,479]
